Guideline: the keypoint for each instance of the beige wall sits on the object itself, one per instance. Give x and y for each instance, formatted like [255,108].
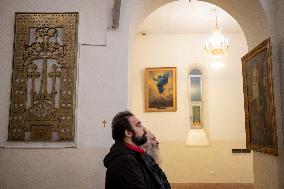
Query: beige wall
[207,164]
[222,86]
[257,26]
[223,107]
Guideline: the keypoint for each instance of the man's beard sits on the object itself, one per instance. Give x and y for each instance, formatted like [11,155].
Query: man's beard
[139,140]
[154,152]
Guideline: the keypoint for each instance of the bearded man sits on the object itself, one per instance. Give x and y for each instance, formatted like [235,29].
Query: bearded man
[128,166]
[151,147]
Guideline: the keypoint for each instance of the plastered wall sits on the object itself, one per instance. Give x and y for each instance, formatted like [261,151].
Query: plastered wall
[102,58]
[223,107]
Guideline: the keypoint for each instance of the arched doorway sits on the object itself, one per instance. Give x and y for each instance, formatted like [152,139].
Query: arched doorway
[172,46]
[255,30]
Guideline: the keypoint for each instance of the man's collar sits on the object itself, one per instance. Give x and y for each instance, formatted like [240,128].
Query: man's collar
[135,148]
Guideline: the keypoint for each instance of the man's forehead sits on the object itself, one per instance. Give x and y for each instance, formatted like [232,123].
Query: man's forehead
[133,120]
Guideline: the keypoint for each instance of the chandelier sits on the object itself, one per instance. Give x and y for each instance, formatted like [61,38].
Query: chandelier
[217,45]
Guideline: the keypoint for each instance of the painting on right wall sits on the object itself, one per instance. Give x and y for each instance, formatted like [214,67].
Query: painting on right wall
[259,105]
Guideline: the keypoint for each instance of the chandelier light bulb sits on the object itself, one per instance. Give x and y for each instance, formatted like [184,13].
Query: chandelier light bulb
[217,45]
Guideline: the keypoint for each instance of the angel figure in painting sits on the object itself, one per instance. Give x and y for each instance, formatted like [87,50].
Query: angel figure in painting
[162,80]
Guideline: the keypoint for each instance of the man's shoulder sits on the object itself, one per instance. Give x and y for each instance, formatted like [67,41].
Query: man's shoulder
[120,153]
[126,157]
[126,160]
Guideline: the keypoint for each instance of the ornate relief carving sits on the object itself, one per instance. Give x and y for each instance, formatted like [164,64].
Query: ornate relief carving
[44,76]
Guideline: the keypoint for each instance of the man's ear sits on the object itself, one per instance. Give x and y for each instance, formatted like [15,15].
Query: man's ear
[128,133]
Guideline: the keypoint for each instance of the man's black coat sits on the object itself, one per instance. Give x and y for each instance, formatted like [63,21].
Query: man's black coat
[126,169]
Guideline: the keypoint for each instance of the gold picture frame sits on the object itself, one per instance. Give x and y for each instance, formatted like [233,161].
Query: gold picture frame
[259,105]
[160,89]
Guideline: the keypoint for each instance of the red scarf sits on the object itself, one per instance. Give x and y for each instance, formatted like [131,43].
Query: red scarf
[135,148]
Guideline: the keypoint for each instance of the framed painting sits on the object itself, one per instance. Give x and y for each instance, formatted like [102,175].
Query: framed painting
[160,89]
[259,106]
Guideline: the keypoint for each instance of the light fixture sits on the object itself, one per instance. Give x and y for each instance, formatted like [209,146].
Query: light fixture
[217,45]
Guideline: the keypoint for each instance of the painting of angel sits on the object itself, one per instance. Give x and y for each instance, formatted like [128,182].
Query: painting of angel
[160,89]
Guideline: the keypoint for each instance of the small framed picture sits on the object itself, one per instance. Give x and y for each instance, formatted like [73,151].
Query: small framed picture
[160,89]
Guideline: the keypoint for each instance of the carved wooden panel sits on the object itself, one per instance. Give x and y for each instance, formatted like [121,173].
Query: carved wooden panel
[44,77]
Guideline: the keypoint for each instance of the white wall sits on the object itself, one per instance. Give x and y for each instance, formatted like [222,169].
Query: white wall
[93,61]
[222,86]
[223,103]
[102,91]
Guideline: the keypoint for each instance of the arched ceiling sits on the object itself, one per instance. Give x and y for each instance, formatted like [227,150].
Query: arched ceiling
[183,17]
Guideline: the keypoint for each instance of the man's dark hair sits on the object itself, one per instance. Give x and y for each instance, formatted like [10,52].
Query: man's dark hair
[119,124]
